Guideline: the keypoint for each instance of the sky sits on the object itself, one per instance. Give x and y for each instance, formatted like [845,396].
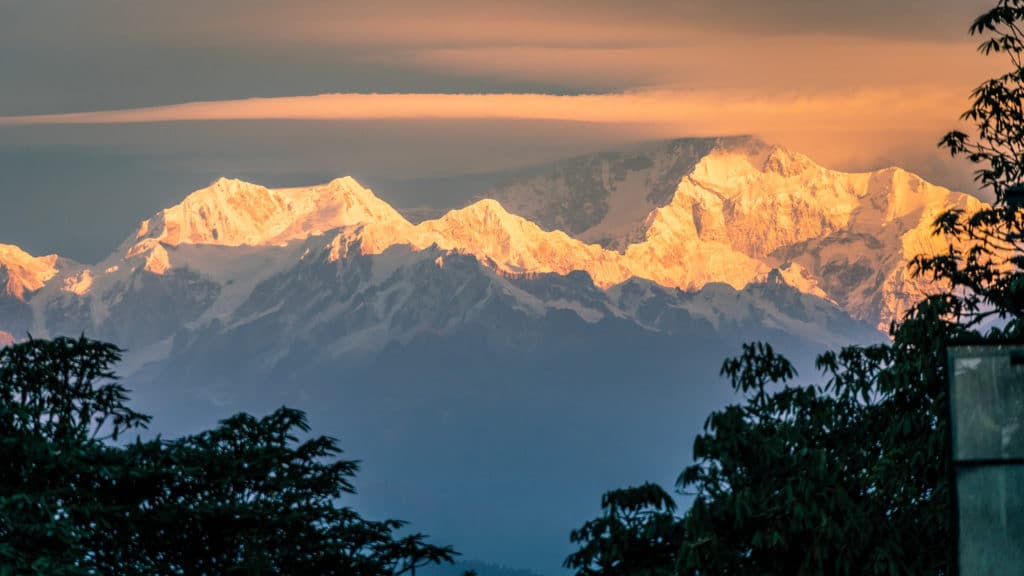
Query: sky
[113,109]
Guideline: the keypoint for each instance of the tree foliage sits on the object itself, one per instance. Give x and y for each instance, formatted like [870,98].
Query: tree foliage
[996,105]
[58,403]
[638,535]
[849,476]
[986,267]
[246,497]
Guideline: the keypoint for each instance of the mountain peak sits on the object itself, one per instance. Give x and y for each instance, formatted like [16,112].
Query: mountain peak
[227,188]
[231,212]
[785,163]
[347,183]
[20,272]
[487,208]
[226,182]
[514,244]
[228,211]
[483,222]
[484,219]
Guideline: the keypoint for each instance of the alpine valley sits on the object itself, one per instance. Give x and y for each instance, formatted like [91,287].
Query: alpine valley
[499,366]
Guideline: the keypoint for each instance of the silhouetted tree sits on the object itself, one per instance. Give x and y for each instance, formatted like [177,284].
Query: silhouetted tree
[638,535]
[985,266]
[58,406]
[247,497]
[844,477]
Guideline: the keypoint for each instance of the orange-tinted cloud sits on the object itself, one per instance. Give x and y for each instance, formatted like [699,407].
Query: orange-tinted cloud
[804,63]
[692,112]
[838,128]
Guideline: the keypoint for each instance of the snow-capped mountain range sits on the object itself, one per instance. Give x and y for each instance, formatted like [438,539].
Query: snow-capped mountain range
[743,214]
[566,326]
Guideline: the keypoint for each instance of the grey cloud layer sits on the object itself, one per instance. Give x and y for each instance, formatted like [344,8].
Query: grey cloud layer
[74,55]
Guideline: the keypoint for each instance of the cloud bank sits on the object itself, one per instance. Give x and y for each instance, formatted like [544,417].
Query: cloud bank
[694,112]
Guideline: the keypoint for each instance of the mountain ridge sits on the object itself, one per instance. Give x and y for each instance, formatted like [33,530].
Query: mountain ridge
[744,210]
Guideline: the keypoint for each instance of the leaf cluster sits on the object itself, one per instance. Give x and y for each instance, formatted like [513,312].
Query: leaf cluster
[985,258]
[638,534]
[847,476]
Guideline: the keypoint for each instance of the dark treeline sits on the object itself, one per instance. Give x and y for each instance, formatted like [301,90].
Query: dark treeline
[247,497]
